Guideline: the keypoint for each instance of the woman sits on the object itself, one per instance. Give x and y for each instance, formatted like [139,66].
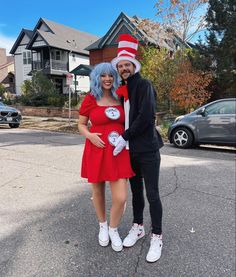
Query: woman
[102,108]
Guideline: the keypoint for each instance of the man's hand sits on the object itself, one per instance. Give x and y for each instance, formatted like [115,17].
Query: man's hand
[120,144]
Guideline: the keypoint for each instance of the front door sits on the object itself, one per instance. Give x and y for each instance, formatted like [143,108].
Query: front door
[59,85]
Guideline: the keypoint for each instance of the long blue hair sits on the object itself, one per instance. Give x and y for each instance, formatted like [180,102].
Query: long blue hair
[95,80]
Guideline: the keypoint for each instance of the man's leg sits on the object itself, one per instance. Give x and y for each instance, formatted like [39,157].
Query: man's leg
[136,184]
[150,163]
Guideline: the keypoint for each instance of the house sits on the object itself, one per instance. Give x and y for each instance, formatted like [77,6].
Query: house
[7,76]
[54,49]
[146,31]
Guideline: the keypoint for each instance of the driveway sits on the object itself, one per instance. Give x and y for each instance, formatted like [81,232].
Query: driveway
[48,226]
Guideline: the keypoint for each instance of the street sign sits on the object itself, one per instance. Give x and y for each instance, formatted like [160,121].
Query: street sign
[69,79]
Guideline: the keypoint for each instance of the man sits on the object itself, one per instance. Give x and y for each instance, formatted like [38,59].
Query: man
[143,141]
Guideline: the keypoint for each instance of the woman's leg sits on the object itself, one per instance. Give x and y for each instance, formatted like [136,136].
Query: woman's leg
[99,201]
[119,192]
[100,208]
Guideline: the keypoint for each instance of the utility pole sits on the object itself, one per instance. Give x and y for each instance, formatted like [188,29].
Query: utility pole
[69,80]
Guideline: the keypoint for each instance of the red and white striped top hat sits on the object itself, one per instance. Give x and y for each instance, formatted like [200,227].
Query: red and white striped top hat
[127,51]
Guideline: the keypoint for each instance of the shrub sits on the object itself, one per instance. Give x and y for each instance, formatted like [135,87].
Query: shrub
[40,91]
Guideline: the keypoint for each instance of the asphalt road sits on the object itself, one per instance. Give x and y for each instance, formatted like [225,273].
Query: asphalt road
[48,226]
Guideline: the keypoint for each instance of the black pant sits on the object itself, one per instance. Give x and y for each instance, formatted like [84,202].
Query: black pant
[146,166]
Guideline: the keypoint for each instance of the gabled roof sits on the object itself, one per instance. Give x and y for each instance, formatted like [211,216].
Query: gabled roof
[154,35]
[23,32]
[62,37]
[82,70]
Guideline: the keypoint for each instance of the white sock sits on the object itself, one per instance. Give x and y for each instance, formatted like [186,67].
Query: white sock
[103,224]
[112,230]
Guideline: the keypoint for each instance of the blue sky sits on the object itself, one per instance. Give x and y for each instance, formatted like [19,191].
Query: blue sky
[92,16]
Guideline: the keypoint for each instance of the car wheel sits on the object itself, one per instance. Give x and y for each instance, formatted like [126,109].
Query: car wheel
[182,137]
[14,125]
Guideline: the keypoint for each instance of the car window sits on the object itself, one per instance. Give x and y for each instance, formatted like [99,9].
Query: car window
[225,107]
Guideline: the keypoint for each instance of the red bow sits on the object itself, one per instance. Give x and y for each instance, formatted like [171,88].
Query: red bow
[123,91]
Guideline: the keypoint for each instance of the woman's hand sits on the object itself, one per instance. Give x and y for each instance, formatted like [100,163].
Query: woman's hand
[95,139]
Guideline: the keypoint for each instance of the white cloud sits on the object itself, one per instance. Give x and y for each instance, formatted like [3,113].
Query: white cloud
[6,42]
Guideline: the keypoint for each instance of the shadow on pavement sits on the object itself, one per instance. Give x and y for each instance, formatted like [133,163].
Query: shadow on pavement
[62,240]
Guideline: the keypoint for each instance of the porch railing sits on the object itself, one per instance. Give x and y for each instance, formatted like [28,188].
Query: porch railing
[55,65]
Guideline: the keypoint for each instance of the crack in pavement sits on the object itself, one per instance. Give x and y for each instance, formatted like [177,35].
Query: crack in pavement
[176,186]
[207,193]
[47,166]
[139,255]
[149,232]
[15,178]
[194,190]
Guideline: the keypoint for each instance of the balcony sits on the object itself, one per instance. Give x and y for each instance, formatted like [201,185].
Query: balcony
[55,65]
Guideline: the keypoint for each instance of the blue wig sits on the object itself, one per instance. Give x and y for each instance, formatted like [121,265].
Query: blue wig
[95,80]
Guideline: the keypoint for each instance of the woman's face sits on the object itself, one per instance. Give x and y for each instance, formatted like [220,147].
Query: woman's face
[107,81]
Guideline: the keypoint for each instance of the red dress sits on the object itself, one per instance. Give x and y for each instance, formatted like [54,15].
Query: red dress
[99,164]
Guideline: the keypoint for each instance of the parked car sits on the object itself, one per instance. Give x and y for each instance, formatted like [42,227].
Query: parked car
[10,116]
[213,123]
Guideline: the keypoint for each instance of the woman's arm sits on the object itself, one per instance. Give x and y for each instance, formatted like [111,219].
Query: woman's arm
[84,130]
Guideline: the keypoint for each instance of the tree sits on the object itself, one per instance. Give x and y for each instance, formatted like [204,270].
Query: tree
[2,91]
[160,69]
[189,88]
[182,17]
[40,91]
[220,49]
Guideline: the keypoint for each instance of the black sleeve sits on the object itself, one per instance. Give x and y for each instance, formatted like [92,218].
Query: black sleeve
[146,111]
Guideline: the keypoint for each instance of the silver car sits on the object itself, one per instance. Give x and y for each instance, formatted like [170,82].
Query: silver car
[213,123]
[10,116]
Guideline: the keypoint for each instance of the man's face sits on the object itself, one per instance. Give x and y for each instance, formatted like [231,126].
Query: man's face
[125,69]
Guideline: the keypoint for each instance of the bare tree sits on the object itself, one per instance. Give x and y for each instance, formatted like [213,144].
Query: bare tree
[182,17]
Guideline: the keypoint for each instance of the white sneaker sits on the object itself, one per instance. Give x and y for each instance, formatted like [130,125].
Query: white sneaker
[154,252]
[116,242]
[135,233]
[103,236]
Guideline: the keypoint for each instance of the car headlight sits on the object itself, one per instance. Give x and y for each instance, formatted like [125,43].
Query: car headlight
[179,118]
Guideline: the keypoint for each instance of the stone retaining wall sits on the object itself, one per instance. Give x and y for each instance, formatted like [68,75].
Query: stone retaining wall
[47,112]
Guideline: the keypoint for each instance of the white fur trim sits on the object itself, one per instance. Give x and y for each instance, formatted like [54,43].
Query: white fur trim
[124,52]
[127,44]
[126,110]
[115,61]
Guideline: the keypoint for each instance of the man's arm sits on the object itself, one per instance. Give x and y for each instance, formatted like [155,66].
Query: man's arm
[146,111]
[146,116]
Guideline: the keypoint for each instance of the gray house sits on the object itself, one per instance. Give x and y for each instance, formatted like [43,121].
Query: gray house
[55,50]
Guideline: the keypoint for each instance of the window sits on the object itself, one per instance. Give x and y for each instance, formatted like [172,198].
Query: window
[226,107]
[58,55]
[27,57]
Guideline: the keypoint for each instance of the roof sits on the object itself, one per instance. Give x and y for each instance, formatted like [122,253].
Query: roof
[82,70]
[10,60]
[146,31]
[23,32]
[63,37]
